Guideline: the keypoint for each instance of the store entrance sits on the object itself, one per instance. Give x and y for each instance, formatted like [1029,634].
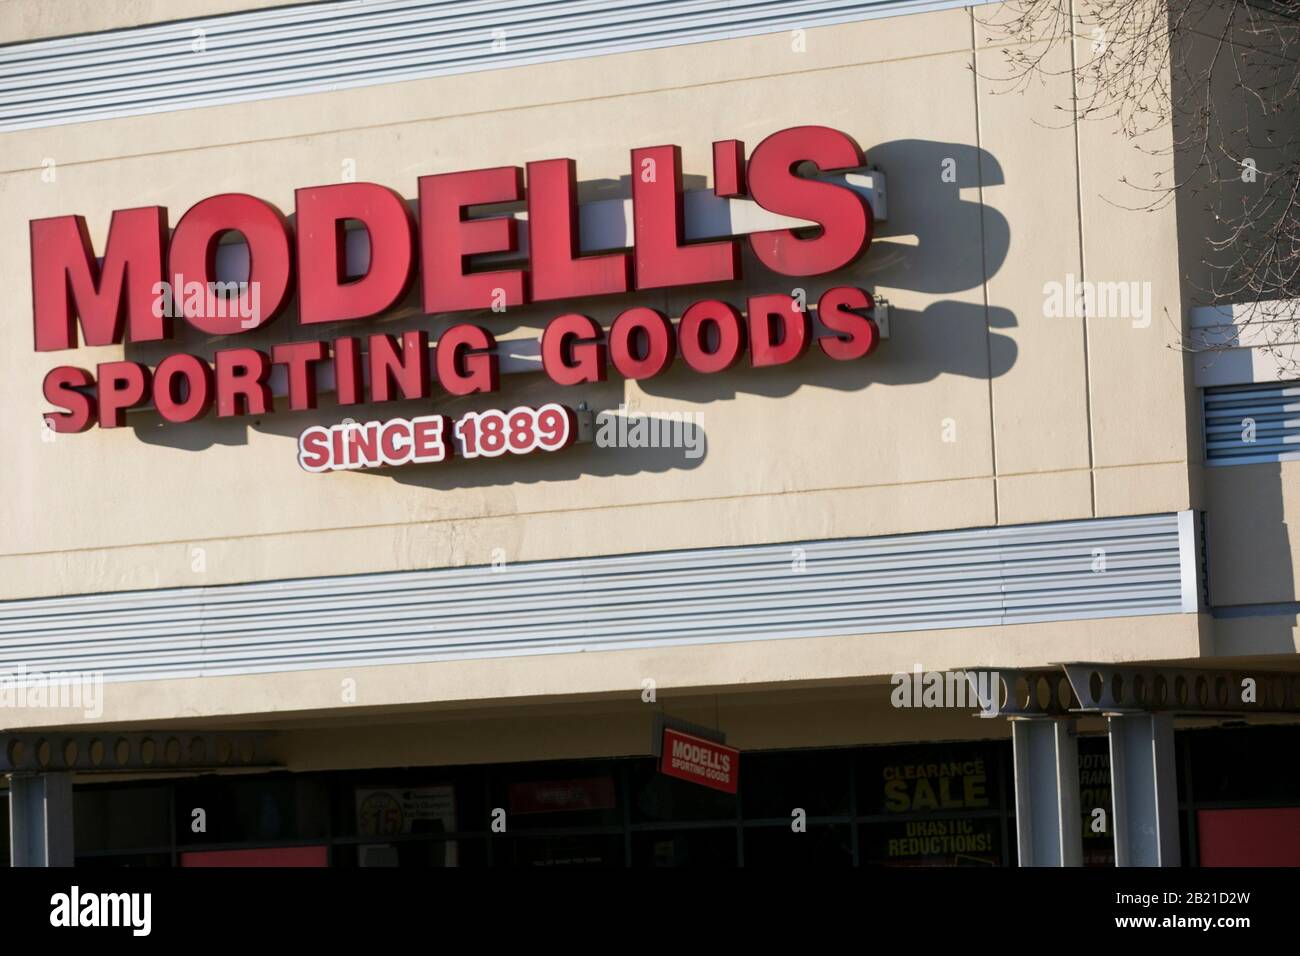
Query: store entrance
[933,804]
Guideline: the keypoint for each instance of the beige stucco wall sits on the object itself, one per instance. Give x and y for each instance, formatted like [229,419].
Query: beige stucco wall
[1253,553]
[821,449]
[1054,418]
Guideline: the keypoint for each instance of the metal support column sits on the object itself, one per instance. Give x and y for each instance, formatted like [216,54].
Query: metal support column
[1144,789]
[1048,824]
[40,819]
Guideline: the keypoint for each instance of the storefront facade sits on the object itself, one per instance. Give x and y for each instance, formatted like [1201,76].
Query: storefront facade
[486,646]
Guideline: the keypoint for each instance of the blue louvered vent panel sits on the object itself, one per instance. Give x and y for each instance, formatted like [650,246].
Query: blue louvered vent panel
[347,43]
[1108,567]
[1245,424]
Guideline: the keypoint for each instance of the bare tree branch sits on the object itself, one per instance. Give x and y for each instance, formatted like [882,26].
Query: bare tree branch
[1224,75]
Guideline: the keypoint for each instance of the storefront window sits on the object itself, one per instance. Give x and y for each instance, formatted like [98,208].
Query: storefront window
[551,795]
[908,805]
[1094,795]
[121,818]
[581,849]
[937,841]
[1255,764]
[818,846]
[818,782]
[703,847]
[120,860]
[932,805]
[212,809]
[657,798]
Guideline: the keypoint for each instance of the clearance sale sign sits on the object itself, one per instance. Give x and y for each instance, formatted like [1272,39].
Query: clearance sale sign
[148,276]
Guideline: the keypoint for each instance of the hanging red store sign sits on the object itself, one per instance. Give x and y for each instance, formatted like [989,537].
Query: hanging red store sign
[701,761]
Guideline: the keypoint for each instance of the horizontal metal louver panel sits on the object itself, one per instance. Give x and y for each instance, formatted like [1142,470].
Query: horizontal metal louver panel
[1081,569]
[1245,424]
[340,44]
